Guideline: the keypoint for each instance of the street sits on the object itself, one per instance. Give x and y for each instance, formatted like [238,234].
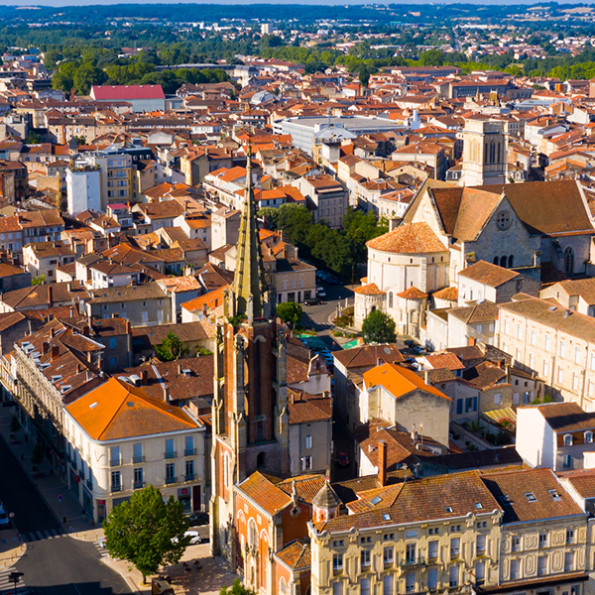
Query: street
[316,317]
[54,563]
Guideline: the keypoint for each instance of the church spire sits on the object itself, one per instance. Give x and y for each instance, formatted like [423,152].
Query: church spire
[249,298]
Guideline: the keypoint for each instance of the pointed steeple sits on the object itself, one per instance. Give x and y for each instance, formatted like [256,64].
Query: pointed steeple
[249,297]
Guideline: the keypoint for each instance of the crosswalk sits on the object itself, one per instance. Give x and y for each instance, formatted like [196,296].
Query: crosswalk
[41,535]
[7,587]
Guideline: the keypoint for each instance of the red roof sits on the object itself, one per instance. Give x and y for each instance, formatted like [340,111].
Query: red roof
[124,92]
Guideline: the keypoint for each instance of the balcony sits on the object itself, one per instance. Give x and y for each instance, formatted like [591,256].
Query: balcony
[171,454]
[189,452]
[410,562]
[116,462]
[138,485]
[190,477]
[170,479]
[139,459]
[117,488]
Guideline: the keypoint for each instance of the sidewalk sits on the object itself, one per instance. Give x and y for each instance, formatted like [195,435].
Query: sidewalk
[207,580]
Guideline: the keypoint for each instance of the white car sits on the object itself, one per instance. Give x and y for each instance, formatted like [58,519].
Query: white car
[193,535]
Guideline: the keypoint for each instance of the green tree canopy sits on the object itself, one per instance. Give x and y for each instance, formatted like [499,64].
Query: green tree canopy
[378,327]
[236,589]
[170,348]
[290,312]
[147,531]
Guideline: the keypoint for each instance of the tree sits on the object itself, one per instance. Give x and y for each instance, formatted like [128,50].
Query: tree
[170,348]
[378,327]
[38,280]
[236,589]
[290,312]
[147,531]
[33,138]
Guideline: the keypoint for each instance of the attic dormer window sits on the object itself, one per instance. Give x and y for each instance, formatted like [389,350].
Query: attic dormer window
[568,440]
[588,437]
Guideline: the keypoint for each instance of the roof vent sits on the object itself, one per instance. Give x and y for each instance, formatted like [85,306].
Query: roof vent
[449,509]
[93,405]
[386,516]
[376,500]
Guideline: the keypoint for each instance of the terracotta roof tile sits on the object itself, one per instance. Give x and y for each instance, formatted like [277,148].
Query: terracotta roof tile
[408,238]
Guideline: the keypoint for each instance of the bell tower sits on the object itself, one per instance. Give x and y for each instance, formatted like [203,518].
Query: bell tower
[484,153]
[249,412]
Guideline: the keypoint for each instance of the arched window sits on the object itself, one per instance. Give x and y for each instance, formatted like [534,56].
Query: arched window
[252,533]
[282,587]
[510,261]
[495,261]
[390,299]
[260,460]
[503,261]
[569,260]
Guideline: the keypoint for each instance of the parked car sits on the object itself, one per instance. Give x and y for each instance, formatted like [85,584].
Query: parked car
[320,292]
[198,518]
[312,301]
[343,459]
[193,535]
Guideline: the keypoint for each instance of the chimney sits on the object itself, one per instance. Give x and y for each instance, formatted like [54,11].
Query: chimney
[55,352]
[165,388]
[143,377]
[427,376]
[86,330]
[382,479]
[45,347]
[52,332]
[71,311]
[179,369]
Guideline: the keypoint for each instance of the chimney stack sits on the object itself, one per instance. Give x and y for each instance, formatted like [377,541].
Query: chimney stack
[45,347]
[143,377]
[382,475]
[55,352]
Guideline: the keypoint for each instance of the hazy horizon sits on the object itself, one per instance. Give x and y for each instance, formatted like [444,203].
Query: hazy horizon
[24,4]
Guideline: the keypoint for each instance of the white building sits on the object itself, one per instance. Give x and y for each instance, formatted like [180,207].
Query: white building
[120,440]
[83,190]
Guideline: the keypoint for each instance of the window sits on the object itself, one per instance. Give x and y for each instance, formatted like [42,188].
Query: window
[306,463]
[453,576]
[337,561]
[471,404]
[514,569]
[139,481]
[588,437]
[433,550]
[555,495]
[574,382]
[530,497]
[189,449]
[546,368]
[547,342]
[365,586]
[562,348]
[389,555]
[366,559]
[410,553]
[459,406]
[519,332]
[480,544]
[593,362]
[338,588]
[567,462]
[387,585]
[170,473]
[541,565]
[189,476]
[432,578]
[455,548]
[410,582]
[137,452]
[515,543]
[308,441]
[577,355]
[533,337]
[543,541]
[112,342]
[114,455]
[569,562]
[480,573]
[568,440]
[116,481]
[498,399]
[570,536]
[560,376]
[170,453]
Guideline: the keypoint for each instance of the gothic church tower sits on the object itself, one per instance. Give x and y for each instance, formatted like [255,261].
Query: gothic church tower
[249,413]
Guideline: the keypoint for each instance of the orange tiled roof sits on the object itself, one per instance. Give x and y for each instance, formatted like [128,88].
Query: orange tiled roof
[398,381]
[369,289]
[409,238]
[413,293]
[116,410]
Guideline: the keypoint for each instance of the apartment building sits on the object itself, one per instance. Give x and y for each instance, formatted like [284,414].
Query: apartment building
[554,342]
[119,440]
[327,195]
